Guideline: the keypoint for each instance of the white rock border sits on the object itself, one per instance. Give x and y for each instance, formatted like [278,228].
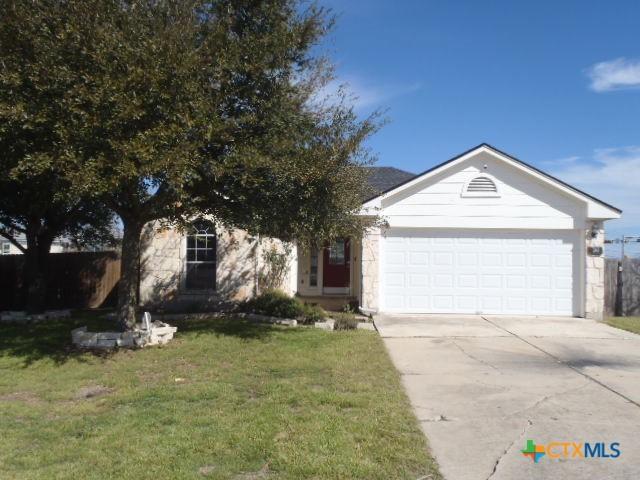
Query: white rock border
[144,334]
[330,325]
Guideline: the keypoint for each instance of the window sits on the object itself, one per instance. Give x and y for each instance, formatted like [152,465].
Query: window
[201,256]
[6,248]
[313,269]
[336,252]
[481,186]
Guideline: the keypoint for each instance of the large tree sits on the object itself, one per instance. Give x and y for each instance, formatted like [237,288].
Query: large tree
[178,107]
[39,210]
[36,200]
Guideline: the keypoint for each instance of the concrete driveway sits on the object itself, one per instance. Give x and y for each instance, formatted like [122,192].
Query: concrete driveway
[481,386]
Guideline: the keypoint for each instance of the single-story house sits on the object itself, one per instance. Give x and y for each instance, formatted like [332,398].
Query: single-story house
[482,233]
[8,248]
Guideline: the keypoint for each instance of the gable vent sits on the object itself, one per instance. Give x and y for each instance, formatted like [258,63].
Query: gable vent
[482,185]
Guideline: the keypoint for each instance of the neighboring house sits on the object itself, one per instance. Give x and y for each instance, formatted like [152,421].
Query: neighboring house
[8,248]
[483,233]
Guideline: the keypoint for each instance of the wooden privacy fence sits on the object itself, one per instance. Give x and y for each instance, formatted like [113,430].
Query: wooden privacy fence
[628,292]
[74,280]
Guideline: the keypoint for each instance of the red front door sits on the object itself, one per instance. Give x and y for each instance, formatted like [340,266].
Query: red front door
[335,263]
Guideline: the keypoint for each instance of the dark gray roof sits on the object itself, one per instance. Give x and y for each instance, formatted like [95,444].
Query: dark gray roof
[382,179]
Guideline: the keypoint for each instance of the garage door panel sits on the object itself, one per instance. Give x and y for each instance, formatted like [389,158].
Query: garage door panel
[418,280]
[419,301]
[562,304]
[516,282]
[491,304]
[474,271]
[467,281]
[394,280]
[467,302]
[491,260]
[515,260]
[418,258]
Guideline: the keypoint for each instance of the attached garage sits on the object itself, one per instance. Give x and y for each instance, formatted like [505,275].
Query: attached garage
[485,233]
[480,271]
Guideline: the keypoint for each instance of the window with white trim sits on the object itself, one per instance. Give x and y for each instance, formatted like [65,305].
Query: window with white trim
[337,252]
[201,256]
[6,248]
[313,268]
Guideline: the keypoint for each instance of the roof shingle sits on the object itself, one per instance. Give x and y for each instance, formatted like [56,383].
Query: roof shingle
[382,179]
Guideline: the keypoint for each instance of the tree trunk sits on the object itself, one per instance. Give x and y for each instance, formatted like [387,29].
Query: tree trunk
[36,259]
[130,273]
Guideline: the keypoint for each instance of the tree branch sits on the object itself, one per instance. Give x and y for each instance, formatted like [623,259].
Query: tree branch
[7,234]
[6,222]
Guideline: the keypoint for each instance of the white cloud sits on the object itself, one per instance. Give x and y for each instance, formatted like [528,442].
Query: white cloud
[612,176]
[365,95]
[617,74]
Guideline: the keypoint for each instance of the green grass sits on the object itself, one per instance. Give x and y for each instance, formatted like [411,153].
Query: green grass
[631,324]
[252,402]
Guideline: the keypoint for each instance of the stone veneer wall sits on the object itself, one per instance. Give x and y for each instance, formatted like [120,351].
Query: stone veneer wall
[594,274]
[370,269]
[161,263]
[162,269]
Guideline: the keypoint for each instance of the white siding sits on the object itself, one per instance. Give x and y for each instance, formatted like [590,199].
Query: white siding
[523,202]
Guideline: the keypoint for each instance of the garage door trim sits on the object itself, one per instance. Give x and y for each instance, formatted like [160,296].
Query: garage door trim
[568,237]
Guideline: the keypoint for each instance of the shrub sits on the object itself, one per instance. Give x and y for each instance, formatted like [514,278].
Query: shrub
[345,321]
[312,314]
[353,306]
[275,303]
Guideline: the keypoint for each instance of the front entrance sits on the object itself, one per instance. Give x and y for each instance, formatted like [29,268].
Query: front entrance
[336,267]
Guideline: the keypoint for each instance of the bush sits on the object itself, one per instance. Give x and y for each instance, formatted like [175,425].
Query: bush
[312,314]
[345,321]
[276,303]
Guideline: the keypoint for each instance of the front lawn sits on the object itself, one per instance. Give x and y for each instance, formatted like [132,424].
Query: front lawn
[631,324]
[224,400]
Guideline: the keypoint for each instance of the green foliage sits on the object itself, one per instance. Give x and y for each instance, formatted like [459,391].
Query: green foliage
[312,314]
[307,404]
[276,264]
[345,321]
[277,303]
[631,324]
[351,307]
[171,108]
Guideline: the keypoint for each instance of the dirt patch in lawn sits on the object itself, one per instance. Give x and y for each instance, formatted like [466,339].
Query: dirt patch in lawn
[92,391]
[259,475]
[24,397]
[207,470]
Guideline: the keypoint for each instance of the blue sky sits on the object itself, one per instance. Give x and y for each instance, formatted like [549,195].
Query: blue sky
[555,83]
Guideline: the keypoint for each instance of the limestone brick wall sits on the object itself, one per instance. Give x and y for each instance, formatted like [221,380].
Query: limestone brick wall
[239,264]
[594,273]
[370,270]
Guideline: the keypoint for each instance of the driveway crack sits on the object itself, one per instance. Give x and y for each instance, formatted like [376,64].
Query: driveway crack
[506,450]
[546,398]
[566,364]
[472,357]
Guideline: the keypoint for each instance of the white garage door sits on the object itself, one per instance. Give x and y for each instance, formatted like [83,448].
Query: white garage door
[473,271]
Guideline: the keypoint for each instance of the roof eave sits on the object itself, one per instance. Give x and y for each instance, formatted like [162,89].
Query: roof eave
[493,149]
